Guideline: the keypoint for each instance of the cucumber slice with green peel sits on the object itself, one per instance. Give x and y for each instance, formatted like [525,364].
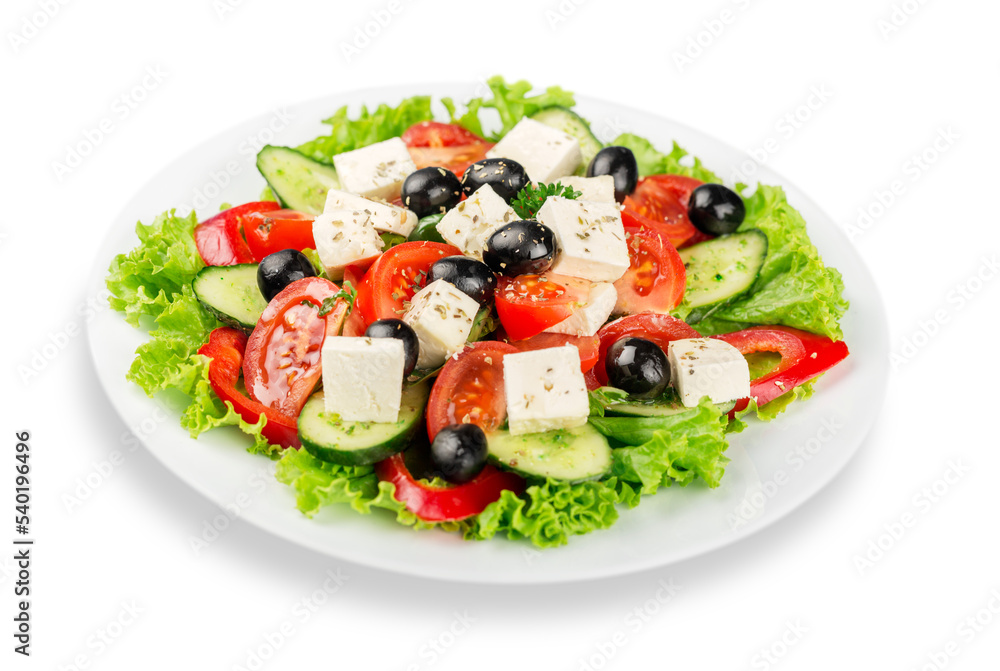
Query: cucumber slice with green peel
[721,270]
[298,182]
[656,408]
[573,124]
[573,455]
[328,438]
[231,294]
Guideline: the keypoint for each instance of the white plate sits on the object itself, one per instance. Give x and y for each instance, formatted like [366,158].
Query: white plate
[768,476]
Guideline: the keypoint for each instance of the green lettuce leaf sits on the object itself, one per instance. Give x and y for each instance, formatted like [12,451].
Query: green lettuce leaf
[145,281]
[653,162]
[776,406]
[318,484]
[549,513]
[794,288]
[367,128]
[512,103]
[686,446]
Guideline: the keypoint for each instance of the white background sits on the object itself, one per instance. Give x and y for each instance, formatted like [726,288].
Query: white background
[799,589]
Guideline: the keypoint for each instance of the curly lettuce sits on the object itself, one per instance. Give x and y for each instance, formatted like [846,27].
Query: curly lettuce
[383,123]
[667,450]
[511,102]
[153,281]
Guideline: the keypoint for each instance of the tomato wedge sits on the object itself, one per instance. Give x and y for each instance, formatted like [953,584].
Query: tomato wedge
[225,347]
[656,278]
[270,232]
[443,504]
[220,239]
[529,304]
[282,363]
[395,276]
[447,145]
[655,204]
[804,355]
[587,345]
[660,329]
[437,134]
[469,389]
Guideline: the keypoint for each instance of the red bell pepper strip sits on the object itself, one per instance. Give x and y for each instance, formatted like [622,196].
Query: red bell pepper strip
[446,504]
[804,356]
[220,239]
[225,348]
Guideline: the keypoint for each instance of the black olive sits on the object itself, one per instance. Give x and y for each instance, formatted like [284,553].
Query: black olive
[521,247]
[637,366]
[431,191]
[505,177]
[394,328]
[276,271]
[469,276]
[459,452]
[716,209]
[619,162]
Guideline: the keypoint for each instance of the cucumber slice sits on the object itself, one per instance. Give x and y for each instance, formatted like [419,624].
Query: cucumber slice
[231,294]
[299,182]
[573,124]
[721,269]
[327,437]
[656,408]
[574,455]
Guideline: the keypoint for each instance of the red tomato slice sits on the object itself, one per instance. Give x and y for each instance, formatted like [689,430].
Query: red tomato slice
[437,134]
[681,187]
[443,504]
[282,364]
[587,345]
[447,145]
[656,277]
[469,389]
[225,347]
[803,356]
[395,276]
[590,377]
[270,232]
[456,159]
[655,204]
[220,239]
[529,304]
[660,329]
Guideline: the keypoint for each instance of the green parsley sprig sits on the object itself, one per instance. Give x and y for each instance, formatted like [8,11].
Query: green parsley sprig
[531,198]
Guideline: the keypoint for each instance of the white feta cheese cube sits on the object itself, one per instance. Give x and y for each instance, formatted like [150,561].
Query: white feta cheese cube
[363,378]
[442,317]
[375,171]
[600,188]
[545,390]
[544,152]
[343,237]
[707,367]
[589,317]
[590,238]
[469,224]
[384,216]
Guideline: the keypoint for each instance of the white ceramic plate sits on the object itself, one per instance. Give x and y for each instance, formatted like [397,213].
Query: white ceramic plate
[775,467]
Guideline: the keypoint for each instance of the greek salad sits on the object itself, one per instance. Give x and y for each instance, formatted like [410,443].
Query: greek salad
[494,324]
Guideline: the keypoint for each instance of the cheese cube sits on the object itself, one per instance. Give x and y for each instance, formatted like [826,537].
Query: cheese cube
[707,367]
[442,317]
[546,153]
[590,238]
[545,390]
[363,378]
[469,224]
[600,188]
[384,216]
[343,237]
[375,171]
[589,317]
